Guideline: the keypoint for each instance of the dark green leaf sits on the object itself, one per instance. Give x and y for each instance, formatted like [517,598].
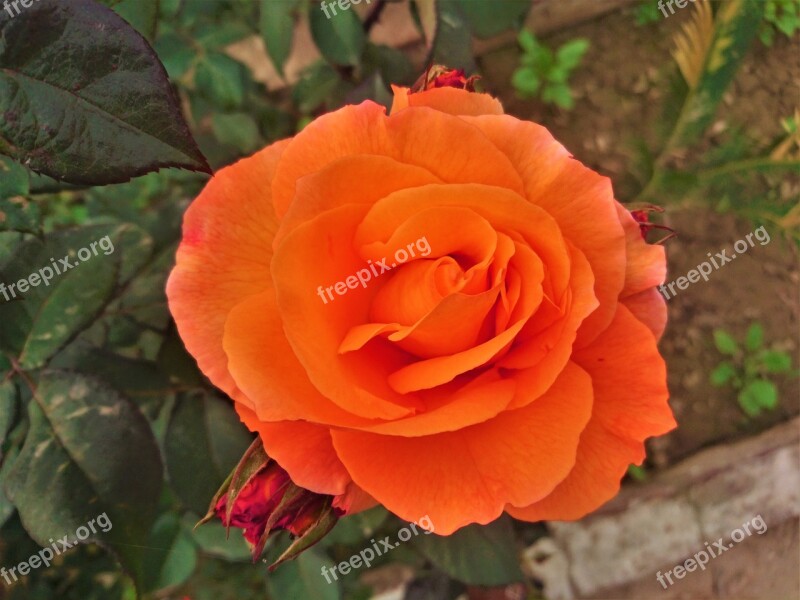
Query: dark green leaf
[725,342]
[212,538]
[453,43]
[354,529]
[7,507]
[89,452]
[340,38]
[106,114]
[221,79]
[39,320]
[19,214]
[755,337]
[171,557]
[320,84]
[488,18]
[302,578]
[8,409]
[14,179]
[722,374]
[776,362]
[277,29]
[477,554]
[204,442]
[137,379]
[392,64]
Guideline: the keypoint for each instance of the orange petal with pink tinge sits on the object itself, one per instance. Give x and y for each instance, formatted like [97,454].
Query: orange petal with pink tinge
[224,257]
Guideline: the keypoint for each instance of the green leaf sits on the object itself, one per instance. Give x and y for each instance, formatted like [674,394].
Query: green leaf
[722,374]
[559,94]
[453,43]
[340,38]
[302,578]
[776,362]
[204,442]
[14,179]
[212,539]
[393,65]
[319,84]
[755,337]
[482,555]
[488,18]
[526,82]
[218,34]
[38,320]
[570,54]
[749,404]
[7,507]
[8,409]
[527,41]
[172,557]
[176,54]
[140,380]
[725,342]
[141,14]
[637,473]
[106,114]
[238,130]
[19,214]
[221,79]
[277,29]
[759,393]
[88,452]
[353,529]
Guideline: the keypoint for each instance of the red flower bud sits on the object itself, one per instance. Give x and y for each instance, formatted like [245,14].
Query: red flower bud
[440,76]
[260,498]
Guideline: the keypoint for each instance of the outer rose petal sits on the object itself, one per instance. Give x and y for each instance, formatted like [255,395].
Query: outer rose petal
[421,136]
[469,475]
[650,308]
[448,100]
[646,268]
[629,382]
[223,258]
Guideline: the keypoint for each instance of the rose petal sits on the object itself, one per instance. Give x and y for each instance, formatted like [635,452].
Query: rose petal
[447,146]
[469,475]
[224,257]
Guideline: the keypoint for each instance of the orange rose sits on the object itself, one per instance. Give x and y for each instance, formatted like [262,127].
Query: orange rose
[511,367]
